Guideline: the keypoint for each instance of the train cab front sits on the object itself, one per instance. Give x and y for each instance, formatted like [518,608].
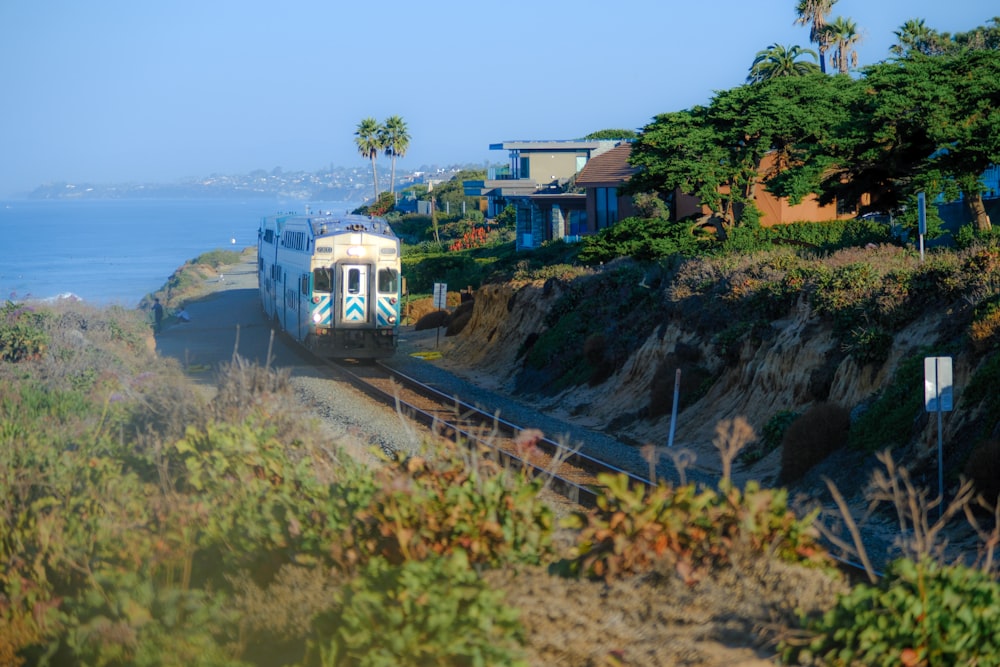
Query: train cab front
[354,314]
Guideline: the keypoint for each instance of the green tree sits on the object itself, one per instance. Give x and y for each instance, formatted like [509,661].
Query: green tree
[813,13]
[717,152]
[915,36]
[981,38]
[368,138]
[919,123]
[842,36]
[624,135]
[964,123]
[395,140]
[450,195]
[777,60]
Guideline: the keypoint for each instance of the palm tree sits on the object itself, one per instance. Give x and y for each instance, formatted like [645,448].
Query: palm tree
[813,13]
[777,60]
[395,141]
[368,138]
[914,35]
[843,36]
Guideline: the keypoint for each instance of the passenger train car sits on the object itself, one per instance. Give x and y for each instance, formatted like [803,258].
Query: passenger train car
[332,282]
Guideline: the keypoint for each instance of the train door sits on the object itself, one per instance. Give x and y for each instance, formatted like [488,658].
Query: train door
[354,294]
[302,307]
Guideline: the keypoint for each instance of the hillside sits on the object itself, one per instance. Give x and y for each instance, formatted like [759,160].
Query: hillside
[766,337]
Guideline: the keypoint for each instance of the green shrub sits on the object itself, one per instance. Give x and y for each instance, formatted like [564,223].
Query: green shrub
[129,620]
[868,345]
[983,468]
[695,382]
[643,239]
[888,422]
[968,236]
[616,303]
[432,612]
[921,613]
[265,500]
[771,437]
[811,438]
[453,268]
[449,503]
[635,530]
[217,258]
[22,332]
[984,331]
[982,389]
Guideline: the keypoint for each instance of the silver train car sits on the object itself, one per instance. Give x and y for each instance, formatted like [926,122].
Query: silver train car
[331,282]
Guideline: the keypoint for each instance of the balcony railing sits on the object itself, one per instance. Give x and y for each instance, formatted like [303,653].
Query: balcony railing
[500,174]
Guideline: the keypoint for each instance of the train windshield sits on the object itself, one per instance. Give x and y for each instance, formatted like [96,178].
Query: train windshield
[388,281]
[322,280]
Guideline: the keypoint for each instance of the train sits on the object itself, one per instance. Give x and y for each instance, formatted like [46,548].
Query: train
[332,282]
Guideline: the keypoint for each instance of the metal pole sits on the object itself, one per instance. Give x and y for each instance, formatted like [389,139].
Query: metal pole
[673,410]
[940,460]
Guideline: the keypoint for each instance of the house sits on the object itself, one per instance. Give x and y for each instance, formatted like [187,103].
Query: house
[539,173]
[601,179]
[604,176]
[777,210]
[535,182]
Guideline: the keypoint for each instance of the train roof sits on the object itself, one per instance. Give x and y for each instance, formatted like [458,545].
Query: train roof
[327,224]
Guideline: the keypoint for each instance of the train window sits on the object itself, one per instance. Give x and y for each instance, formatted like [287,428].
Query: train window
[305,284]
[322,280]
[388,281]
[354,281]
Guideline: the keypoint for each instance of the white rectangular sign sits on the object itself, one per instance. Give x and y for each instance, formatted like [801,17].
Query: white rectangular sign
[441,296]
[937,384]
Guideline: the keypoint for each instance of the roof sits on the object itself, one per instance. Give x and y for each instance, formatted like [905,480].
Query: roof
[556,145]
[607,169]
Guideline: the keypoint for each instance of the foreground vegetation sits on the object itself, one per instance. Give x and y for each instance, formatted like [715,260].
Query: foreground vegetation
[146,525]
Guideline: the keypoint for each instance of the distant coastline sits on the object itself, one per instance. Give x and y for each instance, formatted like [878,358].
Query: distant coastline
[334,184]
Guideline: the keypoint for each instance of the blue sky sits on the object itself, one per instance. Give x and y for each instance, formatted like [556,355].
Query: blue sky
[160,90]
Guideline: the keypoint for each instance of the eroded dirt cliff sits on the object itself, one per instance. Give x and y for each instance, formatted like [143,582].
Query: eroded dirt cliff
[794,363]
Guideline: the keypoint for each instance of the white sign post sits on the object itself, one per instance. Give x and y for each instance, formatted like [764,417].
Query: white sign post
[921,220]
[440,303]
[938,398]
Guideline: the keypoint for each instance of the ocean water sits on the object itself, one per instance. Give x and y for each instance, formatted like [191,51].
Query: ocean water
[114,251]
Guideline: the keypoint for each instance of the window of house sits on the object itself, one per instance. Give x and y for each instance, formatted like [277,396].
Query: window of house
[606,207]
[525,168]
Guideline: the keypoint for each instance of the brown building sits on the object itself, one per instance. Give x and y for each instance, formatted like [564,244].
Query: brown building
[602,178]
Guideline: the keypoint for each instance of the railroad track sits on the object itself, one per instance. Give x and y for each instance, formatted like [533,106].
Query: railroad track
[571,473]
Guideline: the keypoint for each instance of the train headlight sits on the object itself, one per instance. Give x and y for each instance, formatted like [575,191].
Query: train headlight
[315,299]
[355,251]
[392,319]
[317,317]
[393,300]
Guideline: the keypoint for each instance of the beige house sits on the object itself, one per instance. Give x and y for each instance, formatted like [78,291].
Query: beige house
[535,181]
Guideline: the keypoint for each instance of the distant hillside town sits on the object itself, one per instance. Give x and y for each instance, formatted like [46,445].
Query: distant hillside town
[334,184]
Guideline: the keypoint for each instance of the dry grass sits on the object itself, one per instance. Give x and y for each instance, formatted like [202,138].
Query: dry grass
[659,620]
[924,522]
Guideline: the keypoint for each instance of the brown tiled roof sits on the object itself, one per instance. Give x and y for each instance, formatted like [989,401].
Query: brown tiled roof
[607,169]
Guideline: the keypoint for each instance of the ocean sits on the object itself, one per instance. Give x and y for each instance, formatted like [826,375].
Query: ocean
[116,251]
